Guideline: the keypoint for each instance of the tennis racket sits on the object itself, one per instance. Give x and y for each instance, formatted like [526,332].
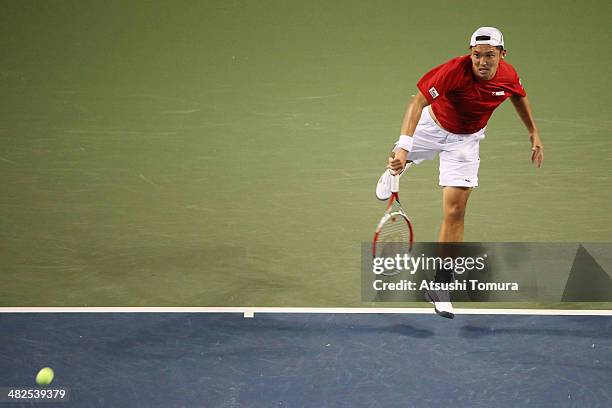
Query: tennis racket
[394,232]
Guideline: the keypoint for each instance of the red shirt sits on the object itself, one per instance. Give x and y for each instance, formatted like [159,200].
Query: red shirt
[461,103]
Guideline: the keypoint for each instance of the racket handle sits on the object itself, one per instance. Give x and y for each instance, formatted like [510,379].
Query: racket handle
[395,183]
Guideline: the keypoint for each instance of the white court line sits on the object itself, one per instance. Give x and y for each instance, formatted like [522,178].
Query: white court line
[251,311]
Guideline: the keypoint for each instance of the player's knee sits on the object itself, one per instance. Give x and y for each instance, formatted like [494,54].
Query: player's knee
[454,212]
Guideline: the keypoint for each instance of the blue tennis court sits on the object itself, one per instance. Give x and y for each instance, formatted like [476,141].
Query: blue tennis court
[312,360]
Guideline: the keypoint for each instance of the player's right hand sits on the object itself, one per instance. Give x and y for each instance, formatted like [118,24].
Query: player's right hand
[397,161]
[537,150]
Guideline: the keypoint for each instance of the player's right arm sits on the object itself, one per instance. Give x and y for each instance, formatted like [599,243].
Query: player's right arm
[409,124]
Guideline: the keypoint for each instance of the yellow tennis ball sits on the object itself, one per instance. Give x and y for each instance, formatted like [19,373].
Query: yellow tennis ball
[44,376]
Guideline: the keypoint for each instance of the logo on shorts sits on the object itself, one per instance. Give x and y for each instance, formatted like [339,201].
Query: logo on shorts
[468,180]
[433,92]
[498,93]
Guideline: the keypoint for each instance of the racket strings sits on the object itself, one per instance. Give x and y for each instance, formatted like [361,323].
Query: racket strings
[395,229]
[393,239]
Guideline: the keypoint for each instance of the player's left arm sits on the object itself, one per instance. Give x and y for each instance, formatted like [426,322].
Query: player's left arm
[523,108]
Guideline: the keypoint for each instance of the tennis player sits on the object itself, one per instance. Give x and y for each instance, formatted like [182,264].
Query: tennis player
[448,117]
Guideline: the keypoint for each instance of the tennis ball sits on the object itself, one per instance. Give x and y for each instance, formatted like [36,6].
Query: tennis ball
[44,376]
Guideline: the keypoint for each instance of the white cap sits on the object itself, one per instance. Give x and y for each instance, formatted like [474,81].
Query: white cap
[487,35]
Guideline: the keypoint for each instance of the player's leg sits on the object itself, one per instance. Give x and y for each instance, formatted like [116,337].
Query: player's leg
[454,203]
[459,163]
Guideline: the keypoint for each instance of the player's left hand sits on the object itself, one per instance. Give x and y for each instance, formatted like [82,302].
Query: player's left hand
[537,151]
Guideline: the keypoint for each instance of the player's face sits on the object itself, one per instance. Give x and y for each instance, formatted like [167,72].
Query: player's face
[485,59]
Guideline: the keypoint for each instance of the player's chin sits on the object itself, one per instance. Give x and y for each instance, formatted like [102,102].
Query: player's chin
[483,74]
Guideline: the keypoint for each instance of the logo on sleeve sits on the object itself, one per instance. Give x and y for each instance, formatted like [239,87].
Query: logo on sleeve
[498,93]
[433,92]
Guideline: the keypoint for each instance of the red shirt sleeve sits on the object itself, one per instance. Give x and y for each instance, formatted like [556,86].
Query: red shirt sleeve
[440,79]
[516,87]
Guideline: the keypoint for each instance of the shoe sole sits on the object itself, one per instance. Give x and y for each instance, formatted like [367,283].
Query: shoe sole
[447,315]
[381,199]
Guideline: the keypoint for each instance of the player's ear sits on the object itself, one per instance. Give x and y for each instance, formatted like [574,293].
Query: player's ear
[503,54]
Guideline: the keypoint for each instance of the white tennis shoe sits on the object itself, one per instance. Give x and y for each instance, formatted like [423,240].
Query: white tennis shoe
[440,299]
[383,187]
[385,182]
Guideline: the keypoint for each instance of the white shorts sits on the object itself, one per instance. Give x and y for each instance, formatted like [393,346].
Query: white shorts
[459,154]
